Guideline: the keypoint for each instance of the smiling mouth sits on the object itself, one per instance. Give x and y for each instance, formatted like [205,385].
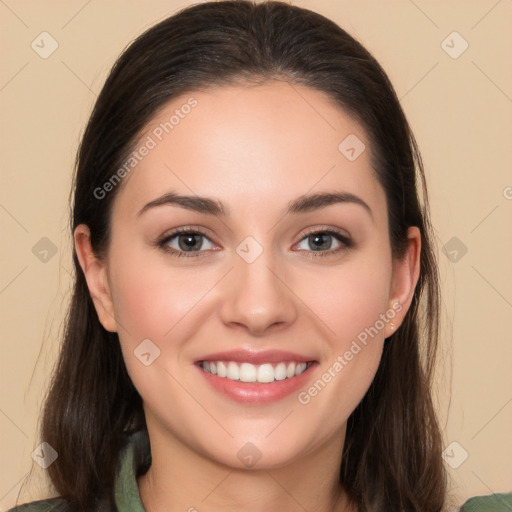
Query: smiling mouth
[247,372]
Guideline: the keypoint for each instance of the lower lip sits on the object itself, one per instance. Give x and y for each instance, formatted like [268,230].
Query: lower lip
[255,392]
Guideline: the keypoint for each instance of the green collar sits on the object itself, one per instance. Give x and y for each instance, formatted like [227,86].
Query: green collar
[135,456]
[493,503]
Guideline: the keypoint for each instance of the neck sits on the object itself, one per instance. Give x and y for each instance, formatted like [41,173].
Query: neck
[181,479]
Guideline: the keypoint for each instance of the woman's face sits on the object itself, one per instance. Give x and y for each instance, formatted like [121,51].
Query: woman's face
[272,275]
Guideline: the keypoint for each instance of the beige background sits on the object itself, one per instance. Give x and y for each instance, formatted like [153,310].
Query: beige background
[460,110]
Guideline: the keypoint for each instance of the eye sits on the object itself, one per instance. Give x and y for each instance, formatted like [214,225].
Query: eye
[320,242]
[188,242]
[185,240]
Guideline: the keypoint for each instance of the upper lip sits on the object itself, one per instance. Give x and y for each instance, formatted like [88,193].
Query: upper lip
[256,358]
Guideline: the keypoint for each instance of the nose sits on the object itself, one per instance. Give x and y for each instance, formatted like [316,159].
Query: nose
[257,298]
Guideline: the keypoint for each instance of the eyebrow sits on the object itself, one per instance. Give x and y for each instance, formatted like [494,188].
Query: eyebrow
[209,206]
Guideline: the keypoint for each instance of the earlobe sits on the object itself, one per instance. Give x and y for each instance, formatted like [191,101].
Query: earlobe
[95,273]
[406,272]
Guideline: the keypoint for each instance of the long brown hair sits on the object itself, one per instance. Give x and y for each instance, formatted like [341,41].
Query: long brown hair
[392,453]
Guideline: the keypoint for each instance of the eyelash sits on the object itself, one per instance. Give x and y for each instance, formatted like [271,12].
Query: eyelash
[344,240]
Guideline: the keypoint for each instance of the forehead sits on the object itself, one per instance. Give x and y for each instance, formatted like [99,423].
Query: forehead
[248,144]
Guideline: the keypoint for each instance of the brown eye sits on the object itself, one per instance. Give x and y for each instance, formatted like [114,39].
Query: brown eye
[184,241]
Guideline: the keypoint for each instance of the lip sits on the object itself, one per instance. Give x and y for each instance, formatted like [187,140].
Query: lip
[256,358]
[255,392]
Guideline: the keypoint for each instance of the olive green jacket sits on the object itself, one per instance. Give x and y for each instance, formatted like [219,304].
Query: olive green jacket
[137,454]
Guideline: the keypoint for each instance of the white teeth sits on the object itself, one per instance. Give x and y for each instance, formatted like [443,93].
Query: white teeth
[300,368]
[280,372]
[233,371]
[265,373]
[221,369]
[247,372]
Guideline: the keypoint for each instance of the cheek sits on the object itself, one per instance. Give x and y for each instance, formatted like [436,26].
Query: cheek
[354,304]
[351,297]
[150,299]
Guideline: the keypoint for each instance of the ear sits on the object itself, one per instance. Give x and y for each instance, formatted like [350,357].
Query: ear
[96,276]
[406,272]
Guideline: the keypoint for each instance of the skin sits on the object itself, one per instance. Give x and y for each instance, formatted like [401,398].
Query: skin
[255,149]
